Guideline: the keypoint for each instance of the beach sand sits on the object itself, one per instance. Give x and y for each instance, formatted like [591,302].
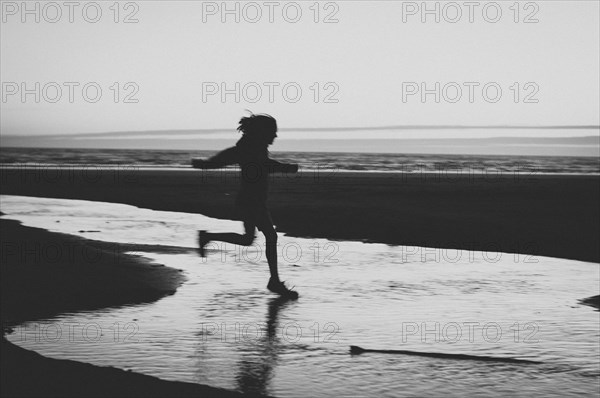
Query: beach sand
[554,216]
[549,215]
[28,374]
[86,275]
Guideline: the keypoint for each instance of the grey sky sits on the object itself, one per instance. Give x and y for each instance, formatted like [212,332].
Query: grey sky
[171,54]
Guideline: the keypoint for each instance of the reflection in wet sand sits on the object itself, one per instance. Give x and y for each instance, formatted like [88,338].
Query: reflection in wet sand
[256,366]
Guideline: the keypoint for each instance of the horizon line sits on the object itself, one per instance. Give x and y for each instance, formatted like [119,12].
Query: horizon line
[316,129]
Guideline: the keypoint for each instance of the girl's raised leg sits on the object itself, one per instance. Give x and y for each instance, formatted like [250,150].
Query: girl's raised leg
[245,239]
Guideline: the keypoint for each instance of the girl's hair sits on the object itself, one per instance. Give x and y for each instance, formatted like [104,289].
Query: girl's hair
[255,126]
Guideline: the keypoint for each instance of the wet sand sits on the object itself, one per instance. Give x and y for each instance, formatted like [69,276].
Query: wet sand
[555,216]
[86,275]
[28,374]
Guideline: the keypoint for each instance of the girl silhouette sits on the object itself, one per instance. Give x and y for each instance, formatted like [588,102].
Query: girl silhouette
[250,152]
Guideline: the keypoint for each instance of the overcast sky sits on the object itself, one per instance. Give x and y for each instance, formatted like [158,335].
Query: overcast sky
[179,53]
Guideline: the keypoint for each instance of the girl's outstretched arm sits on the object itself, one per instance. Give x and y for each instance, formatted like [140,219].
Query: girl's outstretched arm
[275,166]
[224,158]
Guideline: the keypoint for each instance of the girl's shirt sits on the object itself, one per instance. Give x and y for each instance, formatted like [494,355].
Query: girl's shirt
[255,167]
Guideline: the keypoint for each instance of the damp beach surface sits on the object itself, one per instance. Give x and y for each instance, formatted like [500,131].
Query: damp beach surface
[223,328]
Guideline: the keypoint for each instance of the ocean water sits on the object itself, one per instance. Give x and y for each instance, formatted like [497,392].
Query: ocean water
[407,163]
[223,328]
